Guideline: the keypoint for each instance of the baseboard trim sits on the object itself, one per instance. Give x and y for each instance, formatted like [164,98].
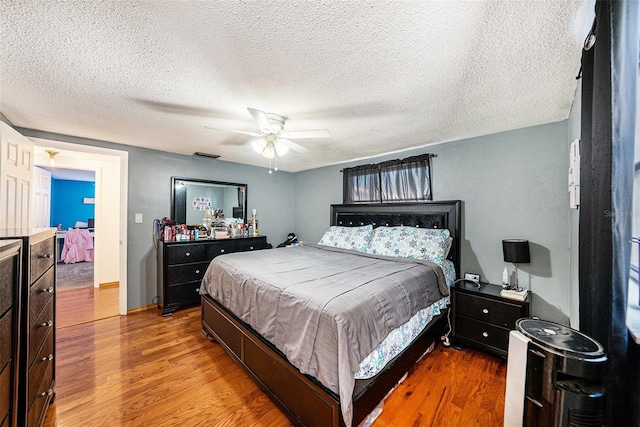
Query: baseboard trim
[109,285]
[143,308]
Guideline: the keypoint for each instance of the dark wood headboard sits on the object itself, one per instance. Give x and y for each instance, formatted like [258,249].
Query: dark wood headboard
[445,214]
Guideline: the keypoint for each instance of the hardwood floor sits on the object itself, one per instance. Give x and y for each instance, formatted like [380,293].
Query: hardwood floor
[87,304]
[147,370]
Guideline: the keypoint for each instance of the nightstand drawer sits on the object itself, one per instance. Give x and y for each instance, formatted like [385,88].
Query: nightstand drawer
[499,313]
[482,333]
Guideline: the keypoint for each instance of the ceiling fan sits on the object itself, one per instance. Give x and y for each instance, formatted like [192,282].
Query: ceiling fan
[273,141]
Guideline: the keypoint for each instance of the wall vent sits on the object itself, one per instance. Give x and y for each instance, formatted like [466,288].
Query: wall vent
[210,156]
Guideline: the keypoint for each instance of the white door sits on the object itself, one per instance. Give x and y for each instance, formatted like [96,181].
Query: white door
[16,176]
[41,198]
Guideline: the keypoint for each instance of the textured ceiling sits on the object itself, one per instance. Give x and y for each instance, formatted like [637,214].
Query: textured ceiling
[381,76]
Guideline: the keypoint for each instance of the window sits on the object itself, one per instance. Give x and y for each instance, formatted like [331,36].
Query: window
[406,180]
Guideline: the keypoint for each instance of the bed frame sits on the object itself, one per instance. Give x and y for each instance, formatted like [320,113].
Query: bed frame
[302,398]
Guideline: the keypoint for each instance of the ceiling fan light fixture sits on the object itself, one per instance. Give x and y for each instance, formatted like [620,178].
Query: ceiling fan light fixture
[269,151]
[52,157]
[258,145]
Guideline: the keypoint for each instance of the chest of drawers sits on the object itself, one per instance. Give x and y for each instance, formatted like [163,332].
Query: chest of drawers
[10,266]
[181,267]
[483,319]
[36,338]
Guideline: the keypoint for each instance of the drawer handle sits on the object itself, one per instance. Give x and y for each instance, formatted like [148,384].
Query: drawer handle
[221,250]
[46,256]
[49,324]
[47,358]
[250,248]
[49,289]
[198,290]
[188,254]
[484,334]
[485,311]
[537,353]
[197,271]
[535,402]
[47,393]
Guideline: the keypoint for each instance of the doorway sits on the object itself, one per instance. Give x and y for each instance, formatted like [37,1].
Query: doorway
[107,296]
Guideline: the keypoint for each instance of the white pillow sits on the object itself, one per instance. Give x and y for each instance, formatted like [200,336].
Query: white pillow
[354,238]
[411,242]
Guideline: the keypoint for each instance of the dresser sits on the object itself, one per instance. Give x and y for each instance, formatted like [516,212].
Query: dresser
[10,268]
[483,319]
[36,339]
[181,267]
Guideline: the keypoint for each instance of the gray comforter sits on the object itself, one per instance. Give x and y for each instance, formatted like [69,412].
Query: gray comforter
[326,309]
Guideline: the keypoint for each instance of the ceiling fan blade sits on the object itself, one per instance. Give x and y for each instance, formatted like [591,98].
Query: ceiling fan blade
[314,133]
[261,118]
[235,131]
[292,145]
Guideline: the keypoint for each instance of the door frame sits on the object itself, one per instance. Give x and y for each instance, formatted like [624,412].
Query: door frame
[122,158]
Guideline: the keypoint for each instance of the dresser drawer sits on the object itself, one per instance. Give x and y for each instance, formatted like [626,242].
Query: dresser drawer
[186,272]
[43,325]
[42,257]
[6,338]
[40,367]
[43,395]
[221,248]
[7,282]
[250,244]
[184,253]
[184,293]
[499,313]
[40,293]
[482,333]
[5,390]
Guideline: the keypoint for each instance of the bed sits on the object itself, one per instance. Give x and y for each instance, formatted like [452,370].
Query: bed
[308,355]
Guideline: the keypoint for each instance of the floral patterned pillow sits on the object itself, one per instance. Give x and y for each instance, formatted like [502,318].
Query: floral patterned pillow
[354,238]
[410,242]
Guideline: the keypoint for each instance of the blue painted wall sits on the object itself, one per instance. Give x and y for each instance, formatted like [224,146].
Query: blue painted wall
[67,204]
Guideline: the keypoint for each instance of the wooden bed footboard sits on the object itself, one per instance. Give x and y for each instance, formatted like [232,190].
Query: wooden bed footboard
[302,398]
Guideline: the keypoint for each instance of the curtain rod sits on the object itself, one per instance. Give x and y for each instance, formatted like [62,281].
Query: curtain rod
[429,155]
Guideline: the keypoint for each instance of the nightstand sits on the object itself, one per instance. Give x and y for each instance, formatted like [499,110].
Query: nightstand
[483,319]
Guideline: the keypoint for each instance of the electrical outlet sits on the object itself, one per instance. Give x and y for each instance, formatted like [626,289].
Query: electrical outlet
[138,218]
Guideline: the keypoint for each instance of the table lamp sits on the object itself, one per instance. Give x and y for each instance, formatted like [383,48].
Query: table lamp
[516,251]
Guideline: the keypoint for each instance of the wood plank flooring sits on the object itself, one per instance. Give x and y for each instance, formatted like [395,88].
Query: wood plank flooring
[74,306]
[147,370]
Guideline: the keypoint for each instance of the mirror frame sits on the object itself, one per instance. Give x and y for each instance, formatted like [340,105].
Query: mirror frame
[174,208]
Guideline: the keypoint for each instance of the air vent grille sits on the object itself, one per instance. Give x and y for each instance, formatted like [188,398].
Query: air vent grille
[208,155]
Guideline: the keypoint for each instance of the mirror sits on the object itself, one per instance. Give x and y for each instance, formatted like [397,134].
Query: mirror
[190,198]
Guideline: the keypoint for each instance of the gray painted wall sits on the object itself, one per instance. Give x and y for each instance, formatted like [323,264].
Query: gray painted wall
[512,184]
[150,173]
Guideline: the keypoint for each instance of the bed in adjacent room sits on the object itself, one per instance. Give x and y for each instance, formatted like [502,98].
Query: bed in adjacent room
[328,330]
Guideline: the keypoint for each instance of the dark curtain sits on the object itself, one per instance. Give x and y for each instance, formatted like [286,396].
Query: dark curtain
[406,180]
[361,184]
[606,173]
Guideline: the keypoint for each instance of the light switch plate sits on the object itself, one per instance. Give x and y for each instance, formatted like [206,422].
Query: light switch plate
[138,218]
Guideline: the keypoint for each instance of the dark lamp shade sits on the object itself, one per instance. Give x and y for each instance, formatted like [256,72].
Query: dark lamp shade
[516,251]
